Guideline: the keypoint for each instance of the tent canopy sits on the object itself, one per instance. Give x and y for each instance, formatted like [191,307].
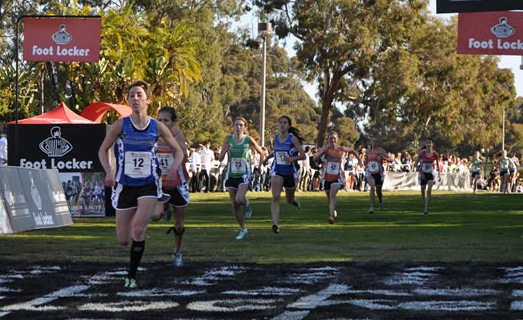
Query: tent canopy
[59,115]
[96,111]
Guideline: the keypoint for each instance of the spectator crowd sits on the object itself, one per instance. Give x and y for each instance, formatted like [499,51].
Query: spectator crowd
[207,172]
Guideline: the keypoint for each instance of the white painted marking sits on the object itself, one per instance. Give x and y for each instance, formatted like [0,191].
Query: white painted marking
[232,305]
[314,300]
[38,270]
[215,275]
[307,278]
[392,293]
[264,291]
[424,269]
[98,279]
[128,306]
[373,304]
[517,293]
[516,305]
[311,276]
[160,293]
[9,277]
[465,292]
[411,278]
[512,275]
[35,303]
[454,306]
[292,315]
[514,270]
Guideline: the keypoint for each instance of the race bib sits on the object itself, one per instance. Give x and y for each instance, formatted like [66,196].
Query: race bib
[166,161]
[280,157]
[238,165]
[374,166]
[332,168]
[137,164]
[426,167]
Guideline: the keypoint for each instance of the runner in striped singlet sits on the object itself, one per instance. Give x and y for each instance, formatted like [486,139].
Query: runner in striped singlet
[136,185]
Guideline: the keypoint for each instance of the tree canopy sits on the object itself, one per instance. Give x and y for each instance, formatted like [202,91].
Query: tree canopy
[381,68]
[393,69]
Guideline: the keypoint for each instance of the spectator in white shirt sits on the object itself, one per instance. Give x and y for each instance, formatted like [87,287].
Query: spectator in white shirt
[3,149]
[207,156]
[196,165]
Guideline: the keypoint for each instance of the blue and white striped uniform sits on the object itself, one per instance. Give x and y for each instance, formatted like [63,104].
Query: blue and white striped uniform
[279,166]
[136,158]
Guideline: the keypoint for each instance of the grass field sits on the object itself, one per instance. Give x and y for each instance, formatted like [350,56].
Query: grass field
[460,227]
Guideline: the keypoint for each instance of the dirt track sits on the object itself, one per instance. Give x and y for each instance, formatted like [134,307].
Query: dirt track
[315,291]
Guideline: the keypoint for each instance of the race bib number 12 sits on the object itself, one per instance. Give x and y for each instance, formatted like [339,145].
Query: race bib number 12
[137,164]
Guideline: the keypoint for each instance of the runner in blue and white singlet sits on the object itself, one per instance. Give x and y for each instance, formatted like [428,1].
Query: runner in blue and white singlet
[136,185]
[280,166]
[135,151]
[287,151]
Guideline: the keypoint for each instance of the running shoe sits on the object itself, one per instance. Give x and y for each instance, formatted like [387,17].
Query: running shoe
[275,228]
[296,203]
[248,210]
[426,213]
[242,234]
[331,220]
[130,283]
[335,213]
[177,260]
[371,210]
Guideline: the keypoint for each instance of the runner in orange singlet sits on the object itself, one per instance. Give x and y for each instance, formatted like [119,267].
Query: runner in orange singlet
[333,177]
[427,158]
[374,171]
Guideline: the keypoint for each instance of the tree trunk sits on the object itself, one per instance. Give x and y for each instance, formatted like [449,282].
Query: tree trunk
[327,99]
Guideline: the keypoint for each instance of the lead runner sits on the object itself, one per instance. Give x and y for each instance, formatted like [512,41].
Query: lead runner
[136,185]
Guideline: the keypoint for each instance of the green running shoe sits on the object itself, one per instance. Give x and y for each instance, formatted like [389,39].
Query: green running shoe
[130,283]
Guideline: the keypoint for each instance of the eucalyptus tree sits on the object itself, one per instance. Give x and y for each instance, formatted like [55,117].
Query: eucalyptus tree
[241,89]
[428,89]
[339,43]
[392,67]
[514,126]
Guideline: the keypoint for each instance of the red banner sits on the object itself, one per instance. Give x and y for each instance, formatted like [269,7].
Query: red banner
[492,33]
[62,39]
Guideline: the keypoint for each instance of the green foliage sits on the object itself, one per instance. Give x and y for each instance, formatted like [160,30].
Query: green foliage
[382,67]
[393,68]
